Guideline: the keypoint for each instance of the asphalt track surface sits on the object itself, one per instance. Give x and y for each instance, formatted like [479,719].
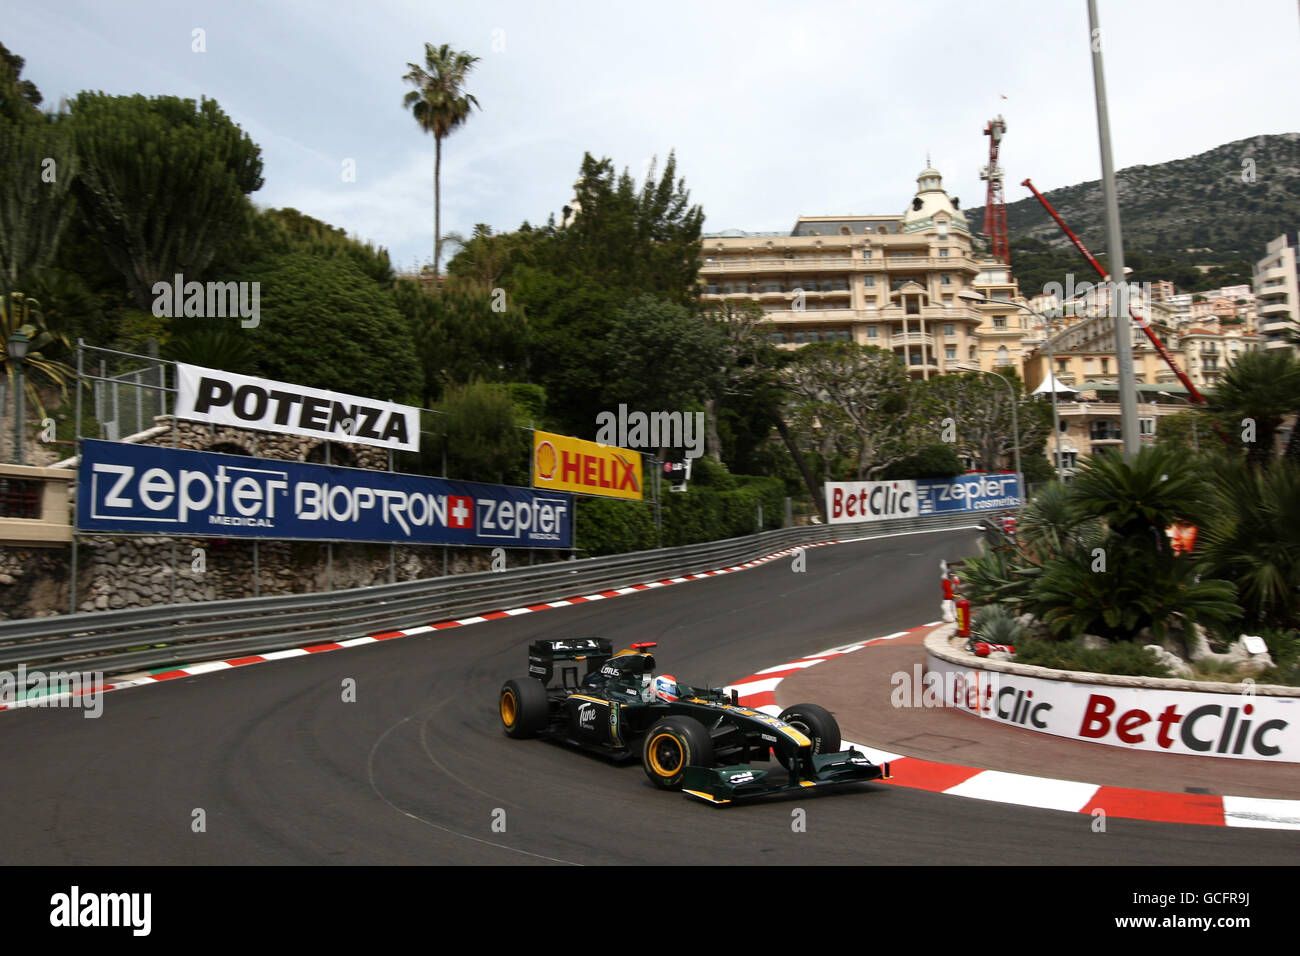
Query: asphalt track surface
[417,771]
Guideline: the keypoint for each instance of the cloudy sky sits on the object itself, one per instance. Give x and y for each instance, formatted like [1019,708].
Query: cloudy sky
[774,109]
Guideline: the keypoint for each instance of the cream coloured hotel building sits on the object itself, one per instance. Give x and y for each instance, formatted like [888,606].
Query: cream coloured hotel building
[888,281]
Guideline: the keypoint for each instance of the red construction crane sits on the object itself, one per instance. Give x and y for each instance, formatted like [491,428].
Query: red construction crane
[1145,324]
[995,207]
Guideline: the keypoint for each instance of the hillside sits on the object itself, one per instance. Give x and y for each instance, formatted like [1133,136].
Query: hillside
[1201,209]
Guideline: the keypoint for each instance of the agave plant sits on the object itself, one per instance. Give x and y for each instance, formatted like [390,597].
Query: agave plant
[22,315]
[997,625]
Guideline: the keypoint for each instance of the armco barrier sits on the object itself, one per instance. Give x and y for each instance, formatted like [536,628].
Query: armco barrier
[119,641]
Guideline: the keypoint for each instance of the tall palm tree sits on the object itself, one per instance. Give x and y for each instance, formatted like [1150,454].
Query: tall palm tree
[439,105]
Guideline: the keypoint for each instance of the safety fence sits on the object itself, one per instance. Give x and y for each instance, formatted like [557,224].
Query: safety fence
[114,642]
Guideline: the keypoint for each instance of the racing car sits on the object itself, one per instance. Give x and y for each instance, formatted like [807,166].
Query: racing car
[697,740]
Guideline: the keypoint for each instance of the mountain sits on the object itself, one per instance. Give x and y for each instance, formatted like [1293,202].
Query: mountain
[1219,207]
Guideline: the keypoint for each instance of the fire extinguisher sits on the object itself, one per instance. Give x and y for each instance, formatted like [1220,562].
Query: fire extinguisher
[963,618]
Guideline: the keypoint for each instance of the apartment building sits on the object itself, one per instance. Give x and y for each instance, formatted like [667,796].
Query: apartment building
[1277,293]
[891,281]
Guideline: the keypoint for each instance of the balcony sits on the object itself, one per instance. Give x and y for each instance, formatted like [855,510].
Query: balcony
[910,338]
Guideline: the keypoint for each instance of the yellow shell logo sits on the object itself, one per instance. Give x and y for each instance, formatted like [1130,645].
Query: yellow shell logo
[546,461]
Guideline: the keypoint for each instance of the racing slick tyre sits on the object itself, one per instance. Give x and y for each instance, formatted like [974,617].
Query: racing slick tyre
[672,745]
[525,710]
[815,723]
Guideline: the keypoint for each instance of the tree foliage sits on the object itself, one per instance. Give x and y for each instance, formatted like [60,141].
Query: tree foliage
[461,337]
[855,403]
[37,171]
[325,323]
[163,183]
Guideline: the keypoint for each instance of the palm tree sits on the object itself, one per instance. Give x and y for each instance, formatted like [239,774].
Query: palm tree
[1262,388]
[439,105]
[22,314]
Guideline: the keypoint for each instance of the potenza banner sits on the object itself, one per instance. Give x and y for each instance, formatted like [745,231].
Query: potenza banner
[1248,727]
[937,496]
[849,502]
[149,490]
[226,398]
[571,464]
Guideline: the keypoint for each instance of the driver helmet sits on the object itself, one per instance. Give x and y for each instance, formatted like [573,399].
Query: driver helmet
[665,687]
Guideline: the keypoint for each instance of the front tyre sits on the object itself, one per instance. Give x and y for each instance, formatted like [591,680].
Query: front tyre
[815,723]
[524,708]
[672,745]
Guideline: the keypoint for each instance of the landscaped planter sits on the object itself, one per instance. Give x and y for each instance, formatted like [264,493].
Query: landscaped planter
[1162,715]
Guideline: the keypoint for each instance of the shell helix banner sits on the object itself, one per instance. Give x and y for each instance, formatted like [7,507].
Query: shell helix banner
[143,489]
[571,464]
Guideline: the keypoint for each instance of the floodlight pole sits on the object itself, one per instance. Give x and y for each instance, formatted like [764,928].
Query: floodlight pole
[1114,250]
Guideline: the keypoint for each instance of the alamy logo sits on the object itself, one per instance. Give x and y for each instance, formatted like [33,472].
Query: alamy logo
[66,689]
[652,430]
[76,909]
[212,300]
[1095,299]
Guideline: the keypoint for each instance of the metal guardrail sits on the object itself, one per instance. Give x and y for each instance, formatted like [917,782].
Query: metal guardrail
[139,638]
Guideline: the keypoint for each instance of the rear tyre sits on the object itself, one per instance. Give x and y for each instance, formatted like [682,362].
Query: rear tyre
[524,707]
[815,723]
[672,745]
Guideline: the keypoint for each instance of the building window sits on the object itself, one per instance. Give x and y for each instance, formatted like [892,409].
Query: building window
[1104,431]
[1069,459]
[20,498]
[943,253]
[868,254]
[945,279]
[950,352]
[869,281]
[1004,357]
[999,321]
[1146,426]
[949,329]
[873,332]
[1105,366]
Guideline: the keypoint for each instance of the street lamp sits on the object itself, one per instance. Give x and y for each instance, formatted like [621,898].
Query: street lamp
[17,346]
[972,296]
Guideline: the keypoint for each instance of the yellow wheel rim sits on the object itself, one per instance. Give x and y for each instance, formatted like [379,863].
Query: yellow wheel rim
[508,709]
[666,755]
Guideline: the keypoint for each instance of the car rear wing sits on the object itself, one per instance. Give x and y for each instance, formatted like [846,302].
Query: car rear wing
[544,655]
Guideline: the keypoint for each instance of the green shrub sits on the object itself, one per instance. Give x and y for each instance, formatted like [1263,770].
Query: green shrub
[1284,648]
[997,625]
[1119,658]
[611,526]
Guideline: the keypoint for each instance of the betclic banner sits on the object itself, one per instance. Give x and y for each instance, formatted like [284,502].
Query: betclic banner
[1246,727]
[227,398]
[850,502]
[144,489]
[572,464]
